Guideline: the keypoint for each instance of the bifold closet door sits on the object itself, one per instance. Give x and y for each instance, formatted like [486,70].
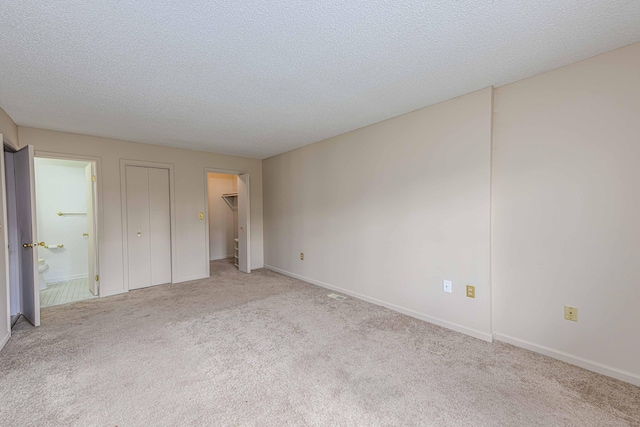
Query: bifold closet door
[159,226]
[148,226]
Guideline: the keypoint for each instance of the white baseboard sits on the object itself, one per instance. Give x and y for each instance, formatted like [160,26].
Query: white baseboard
[5,340]
[571,359]
[556,354]
[218,258]
[112,293]
[445,324]
[189,279]
[123,291]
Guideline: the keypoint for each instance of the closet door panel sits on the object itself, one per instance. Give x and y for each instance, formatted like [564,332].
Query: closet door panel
[138,227]
[160,226]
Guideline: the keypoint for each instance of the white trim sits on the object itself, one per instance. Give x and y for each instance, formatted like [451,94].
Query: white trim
[13,145]
[191,279]
[112,293]
[490,287]
[5,340]
[445,324]
[5,239]
[172,206]
[247,184]
[587,364]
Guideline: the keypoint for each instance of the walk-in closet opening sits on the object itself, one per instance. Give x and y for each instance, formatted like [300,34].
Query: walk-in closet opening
[228,219]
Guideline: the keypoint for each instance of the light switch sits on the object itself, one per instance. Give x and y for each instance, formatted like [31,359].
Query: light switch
[471,291]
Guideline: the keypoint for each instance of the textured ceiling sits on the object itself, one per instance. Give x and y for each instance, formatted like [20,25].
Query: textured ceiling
[258,77]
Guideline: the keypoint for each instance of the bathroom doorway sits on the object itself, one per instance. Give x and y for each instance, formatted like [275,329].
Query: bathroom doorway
[67,229]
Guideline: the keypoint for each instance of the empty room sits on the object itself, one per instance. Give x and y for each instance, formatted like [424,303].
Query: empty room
[295,213]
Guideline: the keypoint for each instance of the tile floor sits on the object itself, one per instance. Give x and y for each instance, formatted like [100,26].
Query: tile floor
[64,292]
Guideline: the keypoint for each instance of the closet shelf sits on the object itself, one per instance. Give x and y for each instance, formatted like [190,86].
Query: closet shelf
[236,253]
[231,199]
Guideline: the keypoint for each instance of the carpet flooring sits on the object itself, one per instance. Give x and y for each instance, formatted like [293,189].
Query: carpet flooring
[268,350]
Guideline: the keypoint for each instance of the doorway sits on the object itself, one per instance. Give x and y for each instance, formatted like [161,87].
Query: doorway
[50,207]
[66,224]
[227,219]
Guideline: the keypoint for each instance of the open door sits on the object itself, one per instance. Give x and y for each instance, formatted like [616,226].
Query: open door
[92,279]
[244,253]
[27,233]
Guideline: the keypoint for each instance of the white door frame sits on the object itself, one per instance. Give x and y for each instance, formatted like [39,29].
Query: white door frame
[123,197]
[97,166]
[5,335]
[207,171]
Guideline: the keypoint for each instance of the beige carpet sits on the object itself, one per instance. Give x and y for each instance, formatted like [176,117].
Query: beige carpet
[268,350]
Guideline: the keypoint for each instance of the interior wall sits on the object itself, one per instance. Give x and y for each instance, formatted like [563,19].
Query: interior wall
[565,212]
[389,211]
[61,187]
[222,219]
[190,197]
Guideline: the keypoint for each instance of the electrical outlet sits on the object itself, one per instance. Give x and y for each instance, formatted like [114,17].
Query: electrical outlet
[302,256]
[571,313]
[471,291]
[446,286]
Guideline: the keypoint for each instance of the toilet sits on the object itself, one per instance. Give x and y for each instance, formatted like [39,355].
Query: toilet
[42,267]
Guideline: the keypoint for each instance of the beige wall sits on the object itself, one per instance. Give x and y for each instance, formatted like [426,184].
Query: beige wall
[388,211]
[190,197]
[566,203]
[8,129]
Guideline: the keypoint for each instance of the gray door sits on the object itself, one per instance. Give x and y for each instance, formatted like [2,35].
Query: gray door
[27,233]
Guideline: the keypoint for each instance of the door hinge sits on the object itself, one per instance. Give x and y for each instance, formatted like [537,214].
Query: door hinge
[93,178]
[97,278]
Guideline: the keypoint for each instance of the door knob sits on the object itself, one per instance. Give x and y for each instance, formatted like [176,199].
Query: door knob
[32,245]
[85,234]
